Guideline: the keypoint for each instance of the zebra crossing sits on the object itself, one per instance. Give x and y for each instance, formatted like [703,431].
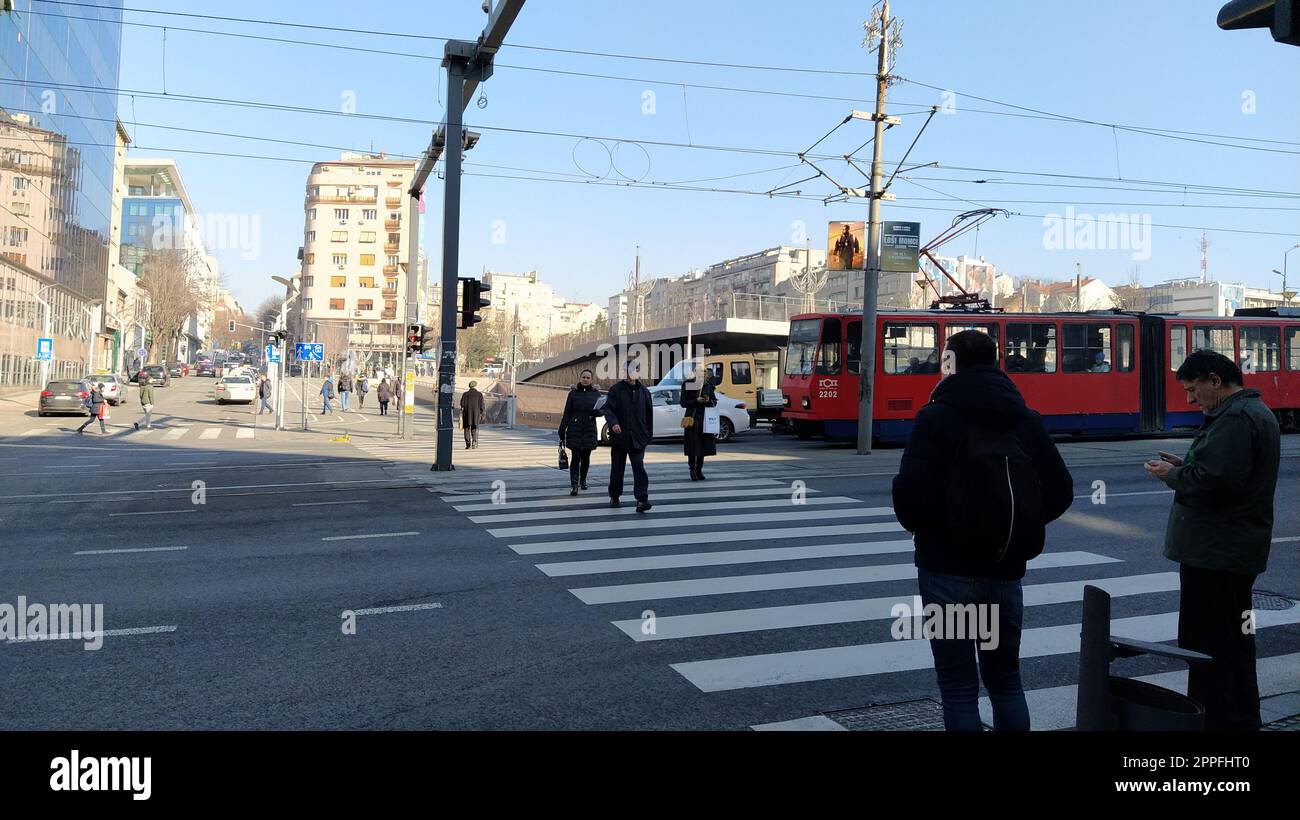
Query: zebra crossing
[168,433]
[782,596]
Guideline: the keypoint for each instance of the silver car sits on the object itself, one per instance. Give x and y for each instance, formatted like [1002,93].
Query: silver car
[114,387]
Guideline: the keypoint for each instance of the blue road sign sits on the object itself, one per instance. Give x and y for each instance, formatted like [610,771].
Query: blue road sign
[272,354]
[44,350]
[310,351]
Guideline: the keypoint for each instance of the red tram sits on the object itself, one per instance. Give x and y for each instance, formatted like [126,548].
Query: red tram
[1098,373]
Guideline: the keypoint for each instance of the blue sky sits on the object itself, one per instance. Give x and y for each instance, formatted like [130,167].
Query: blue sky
[1148,63]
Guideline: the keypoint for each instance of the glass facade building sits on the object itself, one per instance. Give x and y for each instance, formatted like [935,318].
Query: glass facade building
[58,103]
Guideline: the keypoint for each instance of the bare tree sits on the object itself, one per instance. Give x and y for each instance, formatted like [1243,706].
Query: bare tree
[268,312]
[174,295]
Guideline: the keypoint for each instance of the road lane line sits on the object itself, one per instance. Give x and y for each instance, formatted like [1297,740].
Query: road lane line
[367,535]
[384,610]
[325,503]
[132,549]
[154,512]
[87,496]
[108,633]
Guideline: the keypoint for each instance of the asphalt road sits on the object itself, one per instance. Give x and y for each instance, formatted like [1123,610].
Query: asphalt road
[533,613]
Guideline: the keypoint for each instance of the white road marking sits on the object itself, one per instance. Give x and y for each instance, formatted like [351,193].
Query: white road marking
[1286,538]
[325,503]
[134,549]
[724,558]
[715,537]
[659,509]
[154,512]
[86,495]
[172,435]
[366,535]
[189,463]
[210,433]
[107,633]
[815,723]
[384,610]
[593,497]
[245,432]
[600,490]
[69,466]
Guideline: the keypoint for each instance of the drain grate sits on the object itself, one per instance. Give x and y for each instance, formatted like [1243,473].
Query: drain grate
[1260,599]
[924,715]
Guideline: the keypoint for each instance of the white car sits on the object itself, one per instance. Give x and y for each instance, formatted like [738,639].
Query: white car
[234,388]
[114,387]
[667,415]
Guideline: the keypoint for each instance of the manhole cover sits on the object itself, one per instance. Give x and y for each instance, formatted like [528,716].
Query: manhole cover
[923,715]
[1259,599]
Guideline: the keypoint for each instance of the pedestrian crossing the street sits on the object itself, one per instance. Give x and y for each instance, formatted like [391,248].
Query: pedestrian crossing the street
[746,583]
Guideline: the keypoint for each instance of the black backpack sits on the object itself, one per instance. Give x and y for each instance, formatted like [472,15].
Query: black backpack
[994,497]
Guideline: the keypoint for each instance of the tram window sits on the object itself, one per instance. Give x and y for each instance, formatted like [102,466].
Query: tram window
[740,373]
[1293,347]
[830,352]
[855,348]
[1086,348]
[953,330]
[803,346]
[715,373]
[1261,349]
[1031,348]
[1177,346]
[1125,352]
[911,349]
[1218,339]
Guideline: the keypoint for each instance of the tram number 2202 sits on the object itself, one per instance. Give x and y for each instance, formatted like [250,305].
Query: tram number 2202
[828,390]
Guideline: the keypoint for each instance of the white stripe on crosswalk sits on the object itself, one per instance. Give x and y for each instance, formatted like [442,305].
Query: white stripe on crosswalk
[715,537]
[640,523]
[840,576]
[868,609]
[211,432]
[702,490]
[659,510]
[245,432]
[724,558]
[596,497]
[725,674]
[172,435]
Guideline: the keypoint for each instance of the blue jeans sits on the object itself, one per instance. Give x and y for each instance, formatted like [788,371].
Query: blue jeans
[266,406]
[343,399]
[955,660]
[326,409]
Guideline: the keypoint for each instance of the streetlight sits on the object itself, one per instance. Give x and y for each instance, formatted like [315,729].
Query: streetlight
[1284,256]
[45,363]
[89,308]
[282,325]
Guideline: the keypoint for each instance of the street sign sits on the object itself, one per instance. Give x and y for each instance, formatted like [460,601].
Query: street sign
[900,246]
[141,353]
[408,398]
[272,354]
[44,350]
[310,351]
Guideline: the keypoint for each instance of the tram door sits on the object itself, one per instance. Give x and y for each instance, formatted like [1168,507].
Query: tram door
[1151,356]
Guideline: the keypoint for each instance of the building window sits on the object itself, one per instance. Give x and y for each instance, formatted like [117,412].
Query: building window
[17,236]
[306,303]
[308,281]
[394,238]
[392,260]
[367,236]
[21,183]
[368,259]
[1261,349]
[21,209]
[911,349]
[1031,348]
[311,236]
[340,213]
[369,213]
[394,216]
[340,258]
[367,281]
[309,258]
[338,236]
[336,304]
[312,191]
[1085,348]
[311,213]
[365,304]
[338,281]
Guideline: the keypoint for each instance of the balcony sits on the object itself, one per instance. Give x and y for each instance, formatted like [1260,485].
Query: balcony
[393,202]
[392,247]
[389,293]
[393,224]
[394,183]
[353,199]
[390,270]
[388,315]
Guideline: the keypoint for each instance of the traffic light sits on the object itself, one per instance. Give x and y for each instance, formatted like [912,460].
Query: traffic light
[472,301]
[414,337]
[232,325]
[1281,17]
[428,339]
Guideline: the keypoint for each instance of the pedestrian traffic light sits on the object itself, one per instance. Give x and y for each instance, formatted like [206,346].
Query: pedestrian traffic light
[1281,17]
[428,339]
[472,301]
[414,334]
[232,325]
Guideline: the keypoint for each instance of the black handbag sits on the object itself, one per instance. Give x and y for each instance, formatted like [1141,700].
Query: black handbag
[564,457]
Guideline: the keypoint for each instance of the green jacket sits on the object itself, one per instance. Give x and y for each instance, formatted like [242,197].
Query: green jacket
[146,394]
[1222,515]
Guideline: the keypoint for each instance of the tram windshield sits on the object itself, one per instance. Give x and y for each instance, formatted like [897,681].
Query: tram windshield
[799,356]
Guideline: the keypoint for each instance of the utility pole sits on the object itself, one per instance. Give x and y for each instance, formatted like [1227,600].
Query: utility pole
[871,285]
[636,289]
[1078,286]
[467,64]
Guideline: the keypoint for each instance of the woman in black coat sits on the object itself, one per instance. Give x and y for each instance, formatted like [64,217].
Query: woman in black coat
[578,429]
[698,445]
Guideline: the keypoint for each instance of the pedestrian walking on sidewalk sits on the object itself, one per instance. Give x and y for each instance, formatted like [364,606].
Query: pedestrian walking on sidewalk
[146,402]
[978,483]
[345,387]
[1219,532]
[698,395]
[473,411]
[363,387]
[326,393]
[384,393]
[578,429]
[264,395]
[98,407]
[628,415]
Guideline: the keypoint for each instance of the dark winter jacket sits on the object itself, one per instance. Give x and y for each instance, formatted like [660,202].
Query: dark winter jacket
[385,390]
[694,440]
[628,406]
[264,389]
[984,396]
[1222,515]
[345,384]
[472,407]
[578,424]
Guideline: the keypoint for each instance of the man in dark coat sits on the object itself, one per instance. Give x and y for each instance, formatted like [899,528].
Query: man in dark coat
[630,420]
[472,413]
[1220,529]
[977,399]
[578,429]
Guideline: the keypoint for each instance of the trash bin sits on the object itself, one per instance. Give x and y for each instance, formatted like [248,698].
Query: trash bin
[1138,706]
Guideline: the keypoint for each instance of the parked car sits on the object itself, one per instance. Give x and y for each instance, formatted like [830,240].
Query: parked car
[234,388]
[185,369]
[156,373]
[667,415]
[114,386]
[295,370]
[175,370]
[205,368]
[64,396]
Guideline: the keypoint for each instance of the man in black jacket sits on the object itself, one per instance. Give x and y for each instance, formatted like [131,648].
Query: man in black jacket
[628,416]
[977,398]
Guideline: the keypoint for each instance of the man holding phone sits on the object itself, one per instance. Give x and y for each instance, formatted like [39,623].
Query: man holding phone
[1220,529]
